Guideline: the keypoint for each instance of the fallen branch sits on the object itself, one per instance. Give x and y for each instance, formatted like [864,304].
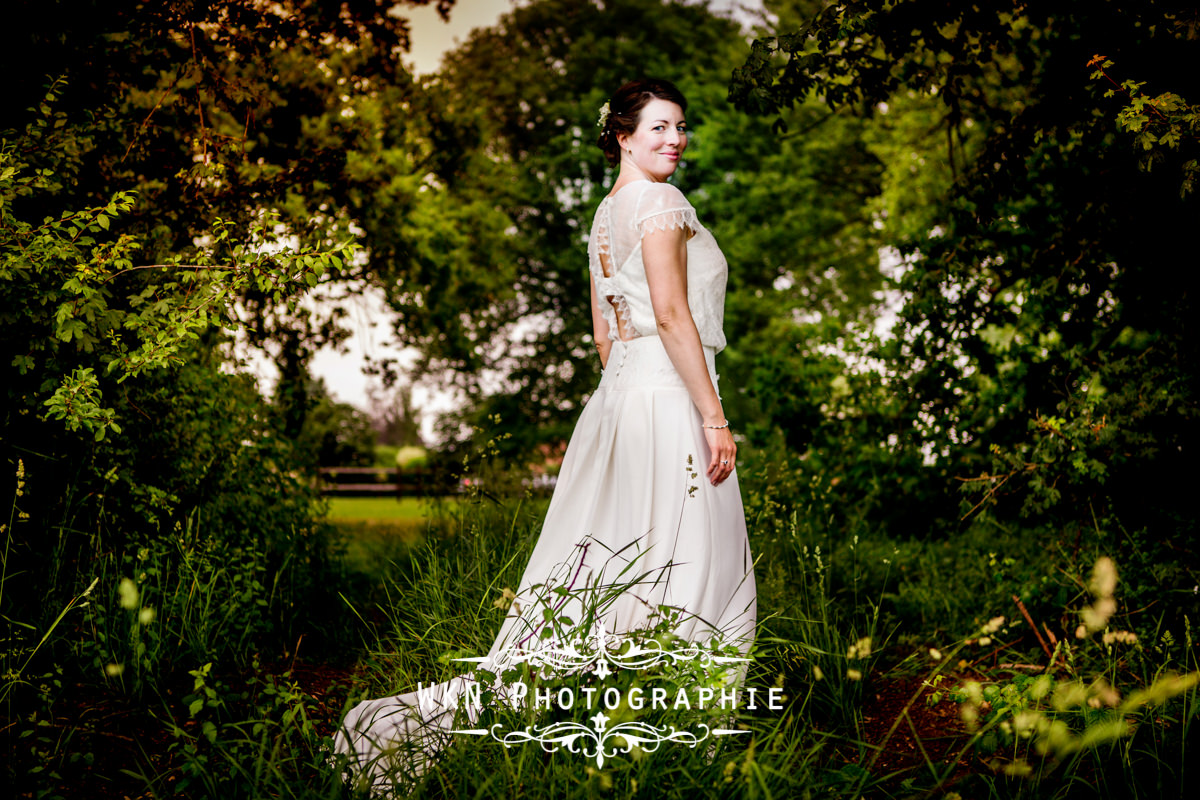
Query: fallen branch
[1025,613]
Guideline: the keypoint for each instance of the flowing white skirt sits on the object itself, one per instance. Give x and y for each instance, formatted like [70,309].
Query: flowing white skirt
[633,510]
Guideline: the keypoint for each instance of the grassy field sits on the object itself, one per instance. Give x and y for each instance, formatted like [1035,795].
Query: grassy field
[376,533]
[378,509]
[906,668]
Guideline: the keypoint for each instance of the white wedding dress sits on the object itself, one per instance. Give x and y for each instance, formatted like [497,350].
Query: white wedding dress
[632,507]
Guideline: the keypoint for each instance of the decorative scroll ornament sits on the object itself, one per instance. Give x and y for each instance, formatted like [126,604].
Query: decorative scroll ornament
[601,653]
[600,741]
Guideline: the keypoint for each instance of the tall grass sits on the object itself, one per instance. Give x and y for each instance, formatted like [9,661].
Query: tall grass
[449,602]
[162,672]
[178,639]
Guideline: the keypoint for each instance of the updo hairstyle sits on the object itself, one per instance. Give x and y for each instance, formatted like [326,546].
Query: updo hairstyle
[626,106]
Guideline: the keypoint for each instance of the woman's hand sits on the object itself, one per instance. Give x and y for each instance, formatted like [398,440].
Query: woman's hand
[724,452]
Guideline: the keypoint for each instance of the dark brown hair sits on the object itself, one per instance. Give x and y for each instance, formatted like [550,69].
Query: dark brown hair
[626,106]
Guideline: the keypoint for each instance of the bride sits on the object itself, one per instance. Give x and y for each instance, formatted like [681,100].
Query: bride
[648,485]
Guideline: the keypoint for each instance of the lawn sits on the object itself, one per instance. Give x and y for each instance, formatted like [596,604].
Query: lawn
[377,532]
[907,670]
[377,509]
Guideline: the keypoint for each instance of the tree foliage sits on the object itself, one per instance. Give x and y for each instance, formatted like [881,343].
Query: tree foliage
[170,174]
[1043,355]
[336,434]
[222,111]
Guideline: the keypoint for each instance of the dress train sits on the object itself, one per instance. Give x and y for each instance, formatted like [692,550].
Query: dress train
[632,517]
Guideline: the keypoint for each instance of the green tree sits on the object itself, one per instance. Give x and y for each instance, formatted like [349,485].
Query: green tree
[224,111]
[336,434]
[170,173]
[1042,355]
[116,402]
[397,422]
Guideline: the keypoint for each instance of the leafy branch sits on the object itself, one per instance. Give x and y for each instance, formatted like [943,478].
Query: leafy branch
[147,326]
[1164,121]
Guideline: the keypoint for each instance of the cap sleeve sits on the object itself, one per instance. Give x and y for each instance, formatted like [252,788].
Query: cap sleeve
[663,207]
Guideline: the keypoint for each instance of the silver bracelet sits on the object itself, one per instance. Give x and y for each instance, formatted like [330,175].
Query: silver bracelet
[716,427]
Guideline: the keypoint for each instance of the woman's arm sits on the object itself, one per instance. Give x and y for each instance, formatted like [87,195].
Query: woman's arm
[600,333]
[664,254]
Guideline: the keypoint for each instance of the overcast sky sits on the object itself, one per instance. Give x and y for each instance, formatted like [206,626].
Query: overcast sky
[431,36]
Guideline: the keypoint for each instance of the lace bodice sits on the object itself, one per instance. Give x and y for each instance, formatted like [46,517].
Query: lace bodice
[621,220]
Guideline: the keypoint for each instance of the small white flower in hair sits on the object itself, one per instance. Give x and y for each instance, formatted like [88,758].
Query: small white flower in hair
[604,111]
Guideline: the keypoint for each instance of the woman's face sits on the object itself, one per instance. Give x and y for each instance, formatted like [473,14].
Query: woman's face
[658,142]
